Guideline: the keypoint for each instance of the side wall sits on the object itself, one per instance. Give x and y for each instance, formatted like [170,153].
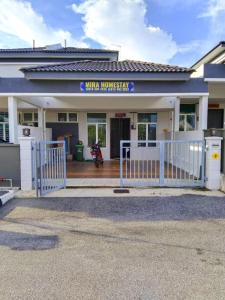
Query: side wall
[10,162]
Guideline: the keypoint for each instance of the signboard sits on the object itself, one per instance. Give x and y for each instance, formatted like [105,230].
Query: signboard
[213,105]
[107,86]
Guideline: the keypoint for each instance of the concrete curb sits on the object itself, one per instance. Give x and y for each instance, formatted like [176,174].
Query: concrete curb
[108,192]
[6,197]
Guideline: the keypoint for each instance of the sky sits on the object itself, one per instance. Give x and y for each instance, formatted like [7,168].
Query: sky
[163,31]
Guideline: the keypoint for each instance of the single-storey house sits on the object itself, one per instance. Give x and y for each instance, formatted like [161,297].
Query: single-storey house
[89,95]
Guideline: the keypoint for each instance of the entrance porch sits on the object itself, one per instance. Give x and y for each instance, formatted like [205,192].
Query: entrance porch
[111,169]
[111,119]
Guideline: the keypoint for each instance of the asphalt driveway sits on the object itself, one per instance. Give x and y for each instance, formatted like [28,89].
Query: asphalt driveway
[113,248]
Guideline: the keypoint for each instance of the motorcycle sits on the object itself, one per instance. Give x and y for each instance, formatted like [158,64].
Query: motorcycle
[97,155]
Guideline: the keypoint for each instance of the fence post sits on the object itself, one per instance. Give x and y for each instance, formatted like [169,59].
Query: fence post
[64,165]
[121,164]
[161,162]
[213,162]
[26,163]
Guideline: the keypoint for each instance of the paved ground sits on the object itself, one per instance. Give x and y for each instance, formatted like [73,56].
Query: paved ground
[113,248]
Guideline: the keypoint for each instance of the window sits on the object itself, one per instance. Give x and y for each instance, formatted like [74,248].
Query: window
[4,126]
[72,117]
[62,117]
[4,117]
[28,119]
[67,117]
[147,128]
[187,120]
[96,128]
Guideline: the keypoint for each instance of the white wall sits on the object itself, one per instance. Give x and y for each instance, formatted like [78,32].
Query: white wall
[199,72]
[35,132]
[111,103]
[13,69]
[189,135]
[164,123]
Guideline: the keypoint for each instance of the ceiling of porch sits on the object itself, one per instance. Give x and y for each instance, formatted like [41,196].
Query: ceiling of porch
[100,103]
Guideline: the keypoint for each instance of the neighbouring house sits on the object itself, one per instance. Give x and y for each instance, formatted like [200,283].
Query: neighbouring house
[211,67]
[89,95]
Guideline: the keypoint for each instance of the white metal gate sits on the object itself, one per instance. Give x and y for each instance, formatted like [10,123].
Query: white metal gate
[162,163]
[49,166]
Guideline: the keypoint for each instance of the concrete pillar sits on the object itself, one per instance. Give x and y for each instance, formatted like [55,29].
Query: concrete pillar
[203,113]
[40,117]
[26,163]
[213,162]
[13,120]
[41,121]
[177,114]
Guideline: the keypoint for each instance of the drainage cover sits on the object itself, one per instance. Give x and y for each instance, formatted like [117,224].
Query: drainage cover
[121,191]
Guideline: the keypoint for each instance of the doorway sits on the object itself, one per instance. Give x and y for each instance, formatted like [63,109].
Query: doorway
[120,130]
[215,118]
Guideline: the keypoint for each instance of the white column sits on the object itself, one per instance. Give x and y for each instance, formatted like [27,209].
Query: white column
[40,117]
[176,114]
[213,162]
[41,121]
[26,163]
[13,120]
[44,126]
[203,113]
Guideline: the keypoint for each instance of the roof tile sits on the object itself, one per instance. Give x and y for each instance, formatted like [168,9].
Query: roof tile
[61,50]
[109,66]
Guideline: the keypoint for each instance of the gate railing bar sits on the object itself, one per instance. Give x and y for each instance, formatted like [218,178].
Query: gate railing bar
[121,164]
[49,164]
[64,160]
[161,163]
[180,163]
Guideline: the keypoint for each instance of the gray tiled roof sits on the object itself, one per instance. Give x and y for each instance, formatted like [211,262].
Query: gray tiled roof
[109,66]
[60,50]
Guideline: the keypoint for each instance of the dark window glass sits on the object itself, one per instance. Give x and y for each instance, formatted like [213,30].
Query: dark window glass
[187,108]
[152,134]
[72,117]
[187,122]
[91,134]
[28,117]
[102,135]
[36,117]
[190,122]
[182,123]
[147,118]
[62,117]
[7,132]
[96,118]
[3,117]
[142,134]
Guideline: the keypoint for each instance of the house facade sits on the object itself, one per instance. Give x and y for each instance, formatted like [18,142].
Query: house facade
[88,95]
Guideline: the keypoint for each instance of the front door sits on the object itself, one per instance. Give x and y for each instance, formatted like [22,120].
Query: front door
[120,130]
[215,118]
